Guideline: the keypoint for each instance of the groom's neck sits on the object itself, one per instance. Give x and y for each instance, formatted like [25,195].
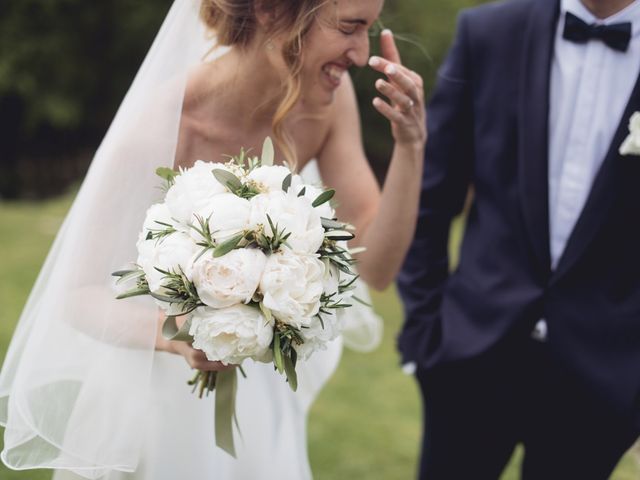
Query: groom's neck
[606,8]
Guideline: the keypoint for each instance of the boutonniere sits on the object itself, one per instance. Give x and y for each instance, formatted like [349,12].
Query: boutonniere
[631,145]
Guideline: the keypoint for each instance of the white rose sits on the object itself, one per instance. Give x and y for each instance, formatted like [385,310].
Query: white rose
[172,253]
[631,145]
[227,214]
[290,213]
[292,286]
[312,192]
[271,178]
[192,190]
[231,334]
[230,279]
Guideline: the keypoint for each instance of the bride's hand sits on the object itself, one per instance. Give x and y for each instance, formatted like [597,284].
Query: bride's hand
[195,358]
[404,90]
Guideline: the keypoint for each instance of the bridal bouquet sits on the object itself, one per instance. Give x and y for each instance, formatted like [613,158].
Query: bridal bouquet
[253,260]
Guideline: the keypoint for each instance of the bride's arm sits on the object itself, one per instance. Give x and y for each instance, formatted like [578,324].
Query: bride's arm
[385,220]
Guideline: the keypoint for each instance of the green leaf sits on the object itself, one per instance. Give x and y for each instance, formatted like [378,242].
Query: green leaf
[286,183]
[227,179]
[133,293]
[168,174]
[324,197]
[331,224]
[267,153]
[228,245]
[302,192]
[339,235]
[121,273]
[290,370]
[277,353]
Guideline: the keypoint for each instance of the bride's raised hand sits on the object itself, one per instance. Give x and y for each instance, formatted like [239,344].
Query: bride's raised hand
[404,91]
[195,358]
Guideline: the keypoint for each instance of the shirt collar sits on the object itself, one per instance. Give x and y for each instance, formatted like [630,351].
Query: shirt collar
[631,13]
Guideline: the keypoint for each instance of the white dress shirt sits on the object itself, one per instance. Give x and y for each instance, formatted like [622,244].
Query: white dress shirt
[590,87]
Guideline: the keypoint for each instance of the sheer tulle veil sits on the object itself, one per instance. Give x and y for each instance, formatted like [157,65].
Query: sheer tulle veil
[76,378]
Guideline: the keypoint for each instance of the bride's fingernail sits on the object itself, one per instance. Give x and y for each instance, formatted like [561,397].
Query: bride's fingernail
[390,70]
[374,61]
[386,31]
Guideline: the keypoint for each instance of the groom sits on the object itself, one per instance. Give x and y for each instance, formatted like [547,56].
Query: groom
[535,337]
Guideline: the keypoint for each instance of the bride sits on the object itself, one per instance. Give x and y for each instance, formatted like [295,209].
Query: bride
[89,387]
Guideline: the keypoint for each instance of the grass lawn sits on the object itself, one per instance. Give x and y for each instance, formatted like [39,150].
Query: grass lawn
[366,423]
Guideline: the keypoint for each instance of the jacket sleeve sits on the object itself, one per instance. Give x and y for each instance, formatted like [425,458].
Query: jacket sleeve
[446,178]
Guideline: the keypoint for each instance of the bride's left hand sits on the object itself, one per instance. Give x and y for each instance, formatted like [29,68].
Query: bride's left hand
[404,90]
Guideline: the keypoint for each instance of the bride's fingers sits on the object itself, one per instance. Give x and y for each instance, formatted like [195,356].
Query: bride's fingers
[198,360]
[388,46]
[404,78]
[398,98]
[392,114]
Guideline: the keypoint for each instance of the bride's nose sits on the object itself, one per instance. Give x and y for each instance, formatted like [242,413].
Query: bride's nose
[358,54]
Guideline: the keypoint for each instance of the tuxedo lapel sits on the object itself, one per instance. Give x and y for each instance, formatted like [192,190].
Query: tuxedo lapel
[602,193]
[533,126]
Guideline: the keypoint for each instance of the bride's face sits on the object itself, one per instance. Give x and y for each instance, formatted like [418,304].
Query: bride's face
[338,39]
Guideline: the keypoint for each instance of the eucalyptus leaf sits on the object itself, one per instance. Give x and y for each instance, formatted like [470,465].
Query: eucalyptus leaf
[267,153]
[122,273]
[277,353]
[290,370]
[163,298]
[133,293]
[331,224]
[324,197]
[339,235]
[227,179]
[286,183]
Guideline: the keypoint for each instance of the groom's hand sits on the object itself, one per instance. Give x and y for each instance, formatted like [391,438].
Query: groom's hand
[404,90]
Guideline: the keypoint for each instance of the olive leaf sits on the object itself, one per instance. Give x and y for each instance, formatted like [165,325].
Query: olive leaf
[324,197]
[227,179]
[267,153]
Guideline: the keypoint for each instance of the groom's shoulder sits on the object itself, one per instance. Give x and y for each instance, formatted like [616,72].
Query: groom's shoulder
[501,13]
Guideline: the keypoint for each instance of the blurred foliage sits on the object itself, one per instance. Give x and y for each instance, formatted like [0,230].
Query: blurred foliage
[65,66]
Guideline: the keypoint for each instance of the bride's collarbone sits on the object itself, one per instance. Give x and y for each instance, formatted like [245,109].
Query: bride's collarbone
[214,141]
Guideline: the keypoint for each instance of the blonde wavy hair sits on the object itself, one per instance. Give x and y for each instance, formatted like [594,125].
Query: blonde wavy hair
[234,23]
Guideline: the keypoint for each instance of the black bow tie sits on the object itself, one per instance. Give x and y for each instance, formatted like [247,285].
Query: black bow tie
[616,35]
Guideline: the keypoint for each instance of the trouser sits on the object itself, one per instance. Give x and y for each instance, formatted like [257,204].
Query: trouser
[477,410]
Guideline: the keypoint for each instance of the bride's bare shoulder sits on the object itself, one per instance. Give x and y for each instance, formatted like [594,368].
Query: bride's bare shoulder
[198,126]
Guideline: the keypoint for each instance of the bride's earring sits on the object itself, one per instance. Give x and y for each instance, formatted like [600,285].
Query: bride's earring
[270,46]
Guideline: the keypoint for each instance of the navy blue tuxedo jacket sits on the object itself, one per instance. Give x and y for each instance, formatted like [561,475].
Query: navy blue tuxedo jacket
[488,128]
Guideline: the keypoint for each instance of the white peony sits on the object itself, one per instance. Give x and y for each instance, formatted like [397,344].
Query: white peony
[331,279]
[317,334]
[158,212]
[312,192]
[231,334]
[193,189]
[631,145]
[227,214]
[270,178]
[230,279]
[290,213]
[172,253]
[292,286]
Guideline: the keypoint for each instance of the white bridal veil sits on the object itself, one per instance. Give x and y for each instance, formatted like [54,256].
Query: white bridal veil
[76,379]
